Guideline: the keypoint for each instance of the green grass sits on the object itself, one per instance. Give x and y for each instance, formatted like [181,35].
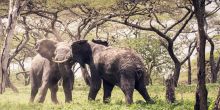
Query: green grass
[185,96]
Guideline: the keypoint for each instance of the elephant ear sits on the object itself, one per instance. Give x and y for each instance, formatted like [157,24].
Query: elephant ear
[46,48]
[81,51]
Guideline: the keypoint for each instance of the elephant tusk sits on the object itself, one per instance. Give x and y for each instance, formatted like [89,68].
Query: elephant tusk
[60,61]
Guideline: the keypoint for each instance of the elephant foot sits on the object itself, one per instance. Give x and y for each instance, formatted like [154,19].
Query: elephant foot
[107,100]
[68,101]
[40,100]
[91,99]
[150,101]
[55,102]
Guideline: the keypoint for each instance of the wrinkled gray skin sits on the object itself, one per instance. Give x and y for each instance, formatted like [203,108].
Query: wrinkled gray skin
[115,66]
[45,73]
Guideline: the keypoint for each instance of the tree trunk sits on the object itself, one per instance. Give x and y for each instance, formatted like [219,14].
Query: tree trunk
[201,91]
[189,65]
[189,72]
[212,62]
[15,7]
[216,107]
[176,62]
[170,89]
[177,73]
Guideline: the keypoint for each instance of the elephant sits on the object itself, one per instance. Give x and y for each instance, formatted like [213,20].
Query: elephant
[45,73]
[46,70]
[40,78]
[114,66]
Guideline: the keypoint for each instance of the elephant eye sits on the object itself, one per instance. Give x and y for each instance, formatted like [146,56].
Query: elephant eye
[36,46]
[55,52]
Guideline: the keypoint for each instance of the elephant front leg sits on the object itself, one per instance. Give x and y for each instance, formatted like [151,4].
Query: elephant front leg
[95,86]
[107,91]
[43,92]
[53,90]
[67,86]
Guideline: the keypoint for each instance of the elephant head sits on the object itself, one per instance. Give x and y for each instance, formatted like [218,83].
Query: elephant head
[82,50]
[58,52]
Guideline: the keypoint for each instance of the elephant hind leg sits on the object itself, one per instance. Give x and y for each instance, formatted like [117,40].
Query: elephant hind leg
[34,86]
[34,91]
[140,87]
[53,90]
[43,92]
[107,91]
[127,85]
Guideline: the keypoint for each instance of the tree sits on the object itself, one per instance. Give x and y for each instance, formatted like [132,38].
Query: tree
[15,8]
[215,65]
[201,91]
[168,33]
[217,101]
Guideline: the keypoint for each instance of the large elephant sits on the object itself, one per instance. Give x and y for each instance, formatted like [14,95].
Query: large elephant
[45,73]
[115,66]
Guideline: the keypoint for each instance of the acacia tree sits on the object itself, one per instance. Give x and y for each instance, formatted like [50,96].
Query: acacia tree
[217,101]
[15,8]
[201,91]
[215,65]
[168,33]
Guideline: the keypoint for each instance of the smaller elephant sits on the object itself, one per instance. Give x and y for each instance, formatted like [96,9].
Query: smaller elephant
[41,78]
[45,73]
[114,66]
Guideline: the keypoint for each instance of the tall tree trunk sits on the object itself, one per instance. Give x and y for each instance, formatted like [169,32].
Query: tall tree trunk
[201,92]
[177,73]
[170,89]
[15,7]
[176,62]
[189,66]
[189,72]
[217,101]
[212,62]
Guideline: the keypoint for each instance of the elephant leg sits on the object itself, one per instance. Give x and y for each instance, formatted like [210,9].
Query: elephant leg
[34,86]
[67,86]
[43,92]
[53,90]
[127,85]
[107,91]
[34,90]
[94,87]
[140,87]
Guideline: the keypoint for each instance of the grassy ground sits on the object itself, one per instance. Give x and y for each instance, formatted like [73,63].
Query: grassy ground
[184,94]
